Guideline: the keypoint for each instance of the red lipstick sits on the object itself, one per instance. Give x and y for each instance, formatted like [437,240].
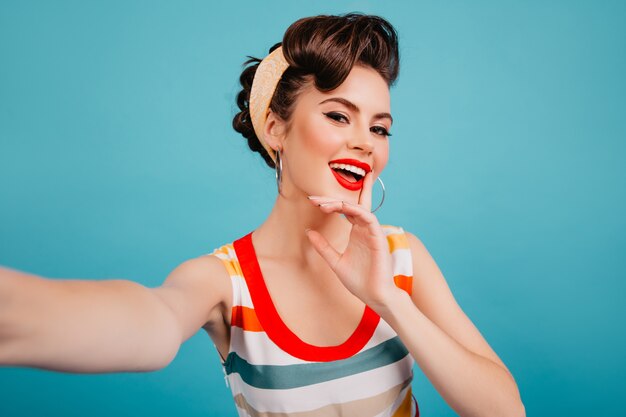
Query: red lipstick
[345,183]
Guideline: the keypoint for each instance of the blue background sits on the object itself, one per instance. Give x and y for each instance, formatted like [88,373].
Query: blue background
[117,160]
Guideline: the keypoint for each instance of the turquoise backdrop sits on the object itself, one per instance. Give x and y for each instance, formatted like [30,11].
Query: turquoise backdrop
[117,160]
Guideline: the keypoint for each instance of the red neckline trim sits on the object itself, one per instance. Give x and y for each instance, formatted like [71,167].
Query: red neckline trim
[278,331]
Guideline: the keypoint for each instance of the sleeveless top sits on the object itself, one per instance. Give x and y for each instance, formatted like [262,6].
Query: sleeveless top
[273,373]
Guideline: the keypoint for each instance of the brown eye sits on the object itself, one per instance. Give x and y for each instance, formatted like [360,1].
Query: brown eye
[338,117]
[379,130]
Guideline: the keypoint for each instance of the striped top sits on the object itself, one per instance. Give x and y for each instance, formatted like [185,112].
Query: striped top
[273,373]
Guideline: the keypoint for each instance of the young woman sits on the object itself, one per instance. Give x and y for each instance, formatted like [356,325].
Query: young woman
[320,311]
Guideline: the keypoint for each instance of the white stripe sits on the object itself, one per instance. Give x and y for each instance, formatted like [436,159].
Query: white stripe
[353,387]
[402,262]
[218,252]
[241,294]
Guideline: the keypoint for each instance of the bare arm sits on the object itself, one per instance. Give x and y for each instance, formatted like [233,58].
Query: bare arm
[104,326]
[456,359]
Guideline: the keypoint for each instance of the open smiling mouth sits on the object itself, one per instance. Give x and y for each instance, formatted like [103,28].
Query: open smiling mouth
[348,174]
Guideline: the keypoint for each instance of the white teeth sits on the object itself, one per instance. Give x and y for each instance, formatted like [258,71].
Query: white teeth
[351,168]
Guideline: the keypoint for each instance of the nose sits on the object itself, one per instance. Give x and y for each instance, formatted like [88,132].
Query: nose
[362,140]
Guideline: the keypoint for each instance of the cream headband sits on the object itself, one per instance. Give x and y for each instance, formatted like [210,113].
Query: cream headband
[264,84]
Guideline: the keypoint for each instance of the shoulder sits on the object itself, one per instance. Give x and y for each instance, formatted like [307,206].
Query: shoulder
[418,249]
[206,270]
[210,270]
[399,238]
[425,269]
[198,292]
[431,292]
[426,278]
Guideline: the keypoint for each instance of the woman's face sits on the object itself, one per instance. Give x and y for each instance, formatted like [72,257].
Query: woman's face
[336,137]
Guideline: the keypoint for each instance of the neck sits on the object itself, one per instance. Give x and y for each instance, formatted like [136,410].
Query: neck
[283,236]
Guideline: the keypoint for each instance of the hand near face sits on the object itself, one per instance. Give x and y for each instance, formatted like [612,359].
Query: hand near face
[365,266]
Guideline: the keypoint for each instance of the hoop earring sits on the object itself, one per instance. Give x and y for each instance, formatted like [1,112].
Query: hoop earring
[383,199]
[278,165]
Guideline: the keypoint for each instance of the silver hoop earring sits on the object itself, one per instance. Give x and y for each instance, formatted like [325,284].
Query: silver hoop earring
[383,199]
[278,164]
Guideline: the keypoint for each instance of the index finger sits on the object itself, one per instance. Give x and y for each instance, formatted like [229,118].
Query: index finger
[365,199]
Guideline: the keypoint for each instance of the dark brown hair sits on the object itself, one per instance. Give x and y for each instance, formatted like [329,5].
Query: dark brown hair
[322,49]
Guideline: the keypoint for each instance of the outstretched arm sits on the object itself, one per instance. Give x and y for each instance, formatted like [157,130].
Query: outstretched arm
[440,337]
[104,326]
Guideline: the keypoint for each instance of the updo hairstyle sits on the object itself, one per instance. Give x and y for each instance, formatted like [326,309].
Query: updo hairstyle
[322,49]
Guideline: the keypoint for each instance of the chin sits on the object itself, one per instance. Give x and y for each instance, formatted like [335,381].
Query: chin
[342,194]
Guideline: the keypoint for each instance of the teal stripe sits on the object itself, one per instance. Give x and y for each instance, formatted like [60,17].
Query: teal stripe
[300,375]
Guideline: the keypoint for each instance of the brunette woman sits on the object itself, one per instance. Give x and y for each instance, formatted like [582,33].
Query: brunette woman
[320,311]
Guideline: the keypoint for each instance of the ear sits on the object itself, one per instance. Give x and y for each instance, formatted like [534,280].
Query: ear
[275,131]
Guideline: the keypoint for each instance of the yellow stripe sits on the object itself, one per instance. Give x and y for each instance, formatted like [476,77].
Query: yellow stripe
[397,241]
[232,266]
[230,263]
[224,249]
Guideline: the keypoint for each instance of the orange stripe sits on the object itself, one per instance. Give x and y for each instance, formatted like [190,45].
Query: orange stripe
[404,282]
[397,241]
[245,318]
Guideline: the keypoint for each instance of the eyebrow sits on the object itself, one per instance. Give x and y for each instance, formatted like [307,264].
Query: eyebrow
[355,108]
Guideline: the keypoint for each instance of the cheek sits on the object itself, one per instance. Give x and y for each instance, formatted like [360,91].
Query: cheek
[317,138]
[381,157]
